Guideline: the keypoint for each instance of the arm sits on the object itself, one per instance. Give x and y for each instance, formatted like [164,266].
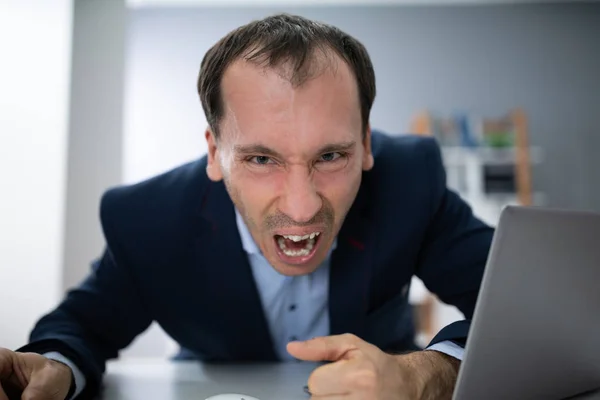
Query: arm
[434,373]
[97,319]
[361,370]
[451,263]
[454,252]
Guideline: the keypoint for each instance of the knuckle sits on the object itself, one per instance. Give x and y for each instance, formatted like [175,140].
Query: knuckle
[52,365]
[365,379]
[348,380]
[350,337]
[34,394]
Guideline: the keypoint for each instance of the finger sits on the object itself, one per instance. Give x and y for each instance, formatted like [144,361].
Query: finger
[45,384]
[324,348]
[349,396]
[332,379]
[6,363]
[37,393]
[6,370]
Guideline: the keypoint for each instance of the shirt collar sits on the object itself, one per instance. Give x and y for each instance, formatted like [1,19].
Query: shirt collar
[248,242]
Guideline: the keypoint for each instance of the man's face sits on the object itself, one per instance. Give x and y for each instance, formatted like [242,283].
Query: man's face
[291,158]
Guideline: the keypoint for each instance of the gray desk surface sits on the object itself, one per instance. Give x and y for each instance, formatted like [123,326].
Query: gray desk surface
[164,380]
[149,379]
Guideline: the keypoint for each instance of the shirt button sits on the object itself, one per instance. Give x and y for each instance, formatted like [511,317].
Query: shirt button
[292,307]
[293,338]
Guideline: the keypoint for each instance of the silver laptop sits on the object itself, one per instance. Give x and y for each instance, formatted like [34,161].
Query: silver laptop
[535,333]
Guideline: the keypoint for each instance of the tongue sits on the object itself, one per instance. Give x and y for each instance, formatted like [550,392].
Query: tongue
[290,244]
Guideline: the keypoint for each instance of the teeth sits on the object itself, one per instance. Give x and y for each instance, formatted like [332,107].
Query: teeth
[295,253]
[297,238]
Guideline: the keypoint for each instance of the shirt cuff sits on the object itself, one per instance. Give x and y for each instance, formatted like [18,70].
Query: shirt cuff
[77,375]
[449,348]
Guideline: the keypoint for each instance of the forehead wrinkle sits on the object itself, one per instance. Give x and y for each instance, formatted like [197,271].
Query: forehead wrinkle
[286,114]
[302,123]
[272,96]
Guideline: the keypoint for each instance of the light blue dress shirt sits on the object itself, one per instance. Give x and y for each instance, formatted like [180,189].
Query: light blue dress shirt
[296,307]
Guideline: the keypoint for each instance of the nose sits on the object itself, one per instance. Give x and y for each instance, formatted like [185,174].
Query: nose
[301,201]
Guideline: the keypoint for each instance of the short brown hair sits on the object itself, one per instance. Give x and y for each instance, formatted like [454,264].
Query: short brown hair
[280,39]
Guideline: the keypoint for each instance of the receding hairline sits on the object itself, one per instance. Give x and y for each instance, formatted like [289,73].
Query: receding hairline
[319,59]
[319,63]
[326,64]
[290,41]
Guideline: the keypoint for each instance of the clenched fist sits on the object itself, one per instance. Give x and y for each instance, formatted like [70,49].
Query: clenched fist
[361,371]
[33,375]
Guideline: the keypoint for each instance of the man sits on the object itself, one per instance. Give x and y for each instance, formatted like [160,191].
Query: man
[296,237]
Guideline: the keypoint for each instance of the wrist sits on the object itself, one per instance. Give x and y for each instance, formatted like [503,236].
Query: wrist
[433,373]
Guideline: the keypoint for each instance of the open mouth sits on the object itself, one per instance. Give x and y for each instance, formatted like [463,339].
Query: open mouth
[295,249]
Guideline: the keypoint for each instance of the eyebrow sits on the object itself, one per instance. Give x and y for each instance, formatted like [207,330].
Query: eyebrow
[331,148]
[261,149]
[256,149]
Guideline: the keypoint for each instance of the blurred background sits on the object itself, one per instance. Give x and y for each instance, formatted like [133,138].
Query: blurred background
[97,93]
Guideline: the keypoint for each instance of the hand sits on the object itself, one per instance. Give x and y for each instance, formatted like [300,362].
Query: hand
[362,371]
[37,377]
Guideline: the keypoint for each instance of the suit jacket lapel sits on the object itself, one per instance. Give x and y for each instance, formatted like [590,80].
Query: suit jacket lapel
[350,273]
[229,278]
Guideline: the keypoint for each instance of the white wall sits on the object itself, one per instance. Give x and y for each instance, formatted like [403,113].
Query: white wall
[35,38]
[163,120]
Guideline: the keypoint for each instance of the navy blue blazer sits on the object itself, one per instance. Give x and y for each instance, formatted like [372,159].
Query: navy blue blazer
[173,255]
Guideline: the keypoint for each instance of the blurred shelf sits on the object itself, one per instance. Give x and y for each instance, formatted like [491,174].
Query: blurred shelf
[459,156]
[479,164]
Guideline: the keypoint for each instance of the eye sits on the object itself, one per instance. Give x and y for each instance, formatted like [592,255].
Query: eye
[261,160]
[332,161]
[329,157]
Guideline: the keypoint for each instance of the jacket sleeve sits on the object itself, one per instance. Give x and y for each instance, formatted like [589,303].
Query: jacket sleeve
[455,251]
[96,319]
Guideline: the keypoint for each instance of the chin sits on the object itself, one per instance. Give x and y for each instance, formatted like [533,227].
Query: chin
[295,271]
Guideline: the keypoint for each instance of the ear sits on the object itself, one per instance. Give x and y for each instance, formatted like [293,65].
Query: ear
[213,168]
[368,160]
